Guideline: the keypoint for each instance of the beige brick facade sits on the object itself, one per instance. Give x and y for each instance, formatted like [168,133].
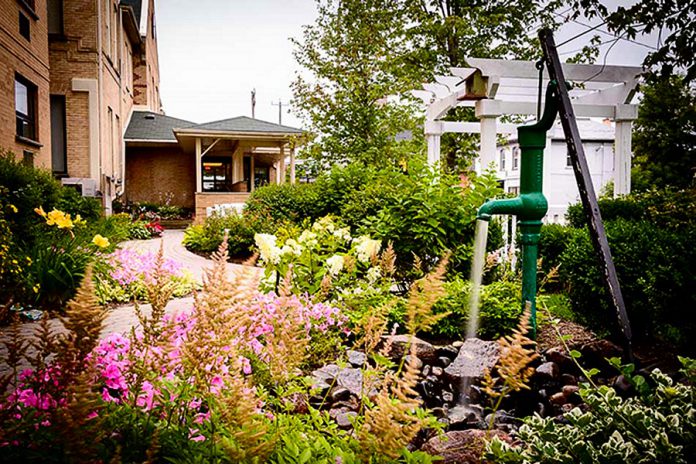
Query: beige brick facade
[206,200]
[28,59]
[160,174]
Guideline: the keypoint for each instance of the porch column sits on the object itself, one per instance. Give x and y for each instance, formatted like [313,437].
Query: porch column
[199,169]
[625,114]
[282,163]
[487,111]
[292,165]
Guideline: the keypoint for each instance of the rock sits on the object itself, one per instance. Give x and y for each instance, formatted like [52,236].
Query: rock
[622,386]
[458,344]
[444,361]
[351,404]
[461,417]
[569,379]
[426,370]
[356,358]
[557,399]
[558,355]
[569,390]
[437,371]
[447,351]
[566,408]
[541,409]
[439,412]
[447,397]
[345,419]
[347,377]
[547,372]
[339,394]
[461,446]
[299,403]
[320,388]
[474,359]
[400,344]
[598,351]
[416,361]
[503,421]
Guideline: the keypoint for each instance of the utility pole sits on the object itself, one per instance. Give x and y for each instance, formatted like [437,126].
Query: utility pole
[253,104]
[280,110]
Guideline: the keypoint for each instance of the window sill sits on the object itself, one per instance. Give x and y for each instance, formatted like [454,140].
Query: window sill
[27,141]
[28,9]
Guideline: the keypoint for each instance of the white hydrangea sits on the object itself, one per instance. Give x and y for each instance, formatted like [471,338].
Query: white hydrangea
[267,248]
[342,234]
[374,274]
[335,264]
[325,223]
[365,247]
[308,239]
[270,280]
[291,247]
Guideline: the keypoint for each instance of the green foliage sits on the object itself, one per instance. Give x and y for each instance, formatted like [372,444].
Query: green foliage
[293,202]
[70,201]
[499,312]
[658,425]
[664,138]
[138,231]
[656,273]
[553,241]
[353,54]
[431,213]
[26,188]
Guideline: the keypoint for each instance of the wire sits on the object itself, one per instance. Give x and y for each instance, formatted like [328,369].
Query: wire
[602,31]
[604,63]
[581,34]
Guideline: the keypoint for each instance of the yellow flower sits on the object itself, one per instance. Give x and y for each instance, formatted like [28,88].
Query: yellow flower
[59,219]
[13,208]
[36,288]
[101,242]
[79,221]
[40,211]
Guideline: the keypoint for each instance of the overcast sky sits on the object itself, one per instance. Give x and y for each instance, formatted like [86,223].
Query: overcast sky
[214,52]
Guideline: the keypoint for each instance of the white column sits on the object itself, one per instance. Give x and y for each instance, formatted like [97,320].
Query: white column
[282,162]
[625,114]
[433,131]
[199,168]
[292,165]
[488,111]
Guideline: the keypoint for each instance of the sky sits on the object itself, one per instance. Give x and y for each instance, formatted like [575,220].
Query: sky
[212,54]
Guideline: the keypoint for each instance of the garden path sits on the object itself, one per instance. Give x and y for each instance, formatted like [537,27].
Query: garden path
[121,318]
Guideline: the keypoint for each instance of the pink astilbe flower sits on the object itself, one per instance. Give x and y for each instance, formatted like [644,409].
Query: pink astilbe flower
[129,266]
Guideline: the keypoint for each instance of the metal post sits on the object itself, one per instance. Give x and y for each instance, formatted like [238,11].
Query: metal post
[582,175]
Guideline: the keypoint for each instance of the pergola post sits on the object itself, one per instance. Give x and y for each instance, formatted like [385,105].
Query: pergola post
[433,131]
[281,161]
[488,111]
[625,115]
[292,165]
[199,168]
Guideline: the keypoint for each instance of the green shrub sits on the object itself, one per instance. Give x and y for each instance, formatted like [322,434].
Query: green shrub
[655,266]
[137,230]
[553,241]
[433,213]
[285,202]
[499,311]
[657,426]
[26,188]
[72,202]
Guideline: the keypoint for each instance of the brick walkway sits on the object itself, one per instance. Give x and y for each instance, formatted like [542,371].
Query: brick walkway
[122,318]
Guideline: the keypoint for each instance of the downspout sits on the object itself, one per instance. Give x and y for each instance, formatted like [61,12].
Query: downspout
[120,182]
[100,99]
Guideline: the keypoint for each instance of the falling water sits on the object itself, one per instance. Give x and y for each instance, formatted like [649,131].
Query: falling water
[476,275]
[477,265]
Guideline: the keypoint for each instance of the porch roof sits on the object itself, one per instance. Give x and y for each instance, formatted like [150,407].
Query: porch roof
[238,128]
[148,126]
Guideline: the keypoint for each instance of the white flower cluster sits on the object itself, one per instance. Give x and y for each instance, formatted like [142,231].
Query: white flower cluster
[373,274]
[268,250]
[308,239]
[291,247]
[365,248]
[335,264]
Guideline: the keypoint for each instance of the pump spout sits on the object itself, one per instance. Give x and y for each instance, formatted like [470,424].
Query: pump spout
[502,206]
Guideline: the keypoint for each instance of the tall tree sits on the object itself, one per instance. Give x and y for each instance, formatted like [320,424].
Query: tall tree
[350,101]
[664,138]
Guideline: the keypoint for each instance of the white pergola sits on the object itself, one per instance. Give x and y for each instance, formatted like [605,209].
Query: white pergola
[496,88]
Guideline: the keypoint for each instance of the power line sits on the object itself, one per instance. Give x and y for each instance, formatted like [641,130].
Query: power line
[599,30]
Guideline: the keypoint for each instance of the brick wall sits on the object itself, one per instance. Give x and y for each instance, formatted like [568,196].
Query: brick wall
[28,58]
[156,174]
[205,200]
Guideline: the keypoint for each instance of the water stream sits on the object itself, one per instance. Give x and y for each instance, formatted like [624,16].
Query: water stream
[477,265]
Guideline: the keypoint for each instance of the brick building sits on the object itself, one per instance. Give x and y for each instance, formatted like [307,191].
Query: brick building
[71,74]
[25,127]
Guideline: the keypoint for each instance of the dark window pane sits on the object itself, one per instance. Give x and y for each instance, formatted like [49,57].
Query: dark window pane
[21,98]
[25,108]
[58,142]
[24,26]
[55,17]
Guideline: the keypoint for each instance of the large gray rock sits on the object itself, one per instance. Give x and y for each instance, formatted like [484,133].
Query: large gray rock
[463,417]
[462,446]
[348,378]
[400,345]
[474,358]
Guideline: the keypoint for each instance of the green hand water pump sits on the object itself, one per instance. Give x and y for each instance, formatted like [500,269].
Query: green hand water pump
[531,205]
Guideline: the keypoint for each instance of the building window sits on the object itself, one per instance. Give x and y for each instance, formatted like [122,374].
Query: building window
[24,26]
[514,190]
[501,163]
[515,158]
[28,158]
[59,159]
[108,27]
[55,17]
[25,108]
[217,175]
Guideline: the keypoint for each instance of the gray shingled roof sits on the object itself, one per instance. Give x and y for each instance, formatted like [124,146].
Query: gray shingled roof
[137,6]
[146,125]
[245,124]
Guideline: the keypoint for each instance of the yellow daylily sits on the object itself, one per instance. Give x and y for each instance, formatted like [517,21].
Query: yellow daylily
[100,241]
[13,208]
[40,211]
[60,219]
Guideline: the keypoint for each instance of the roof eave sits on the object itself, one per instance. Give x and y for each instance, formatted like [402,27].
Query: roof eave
[235,134]
[131,24]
